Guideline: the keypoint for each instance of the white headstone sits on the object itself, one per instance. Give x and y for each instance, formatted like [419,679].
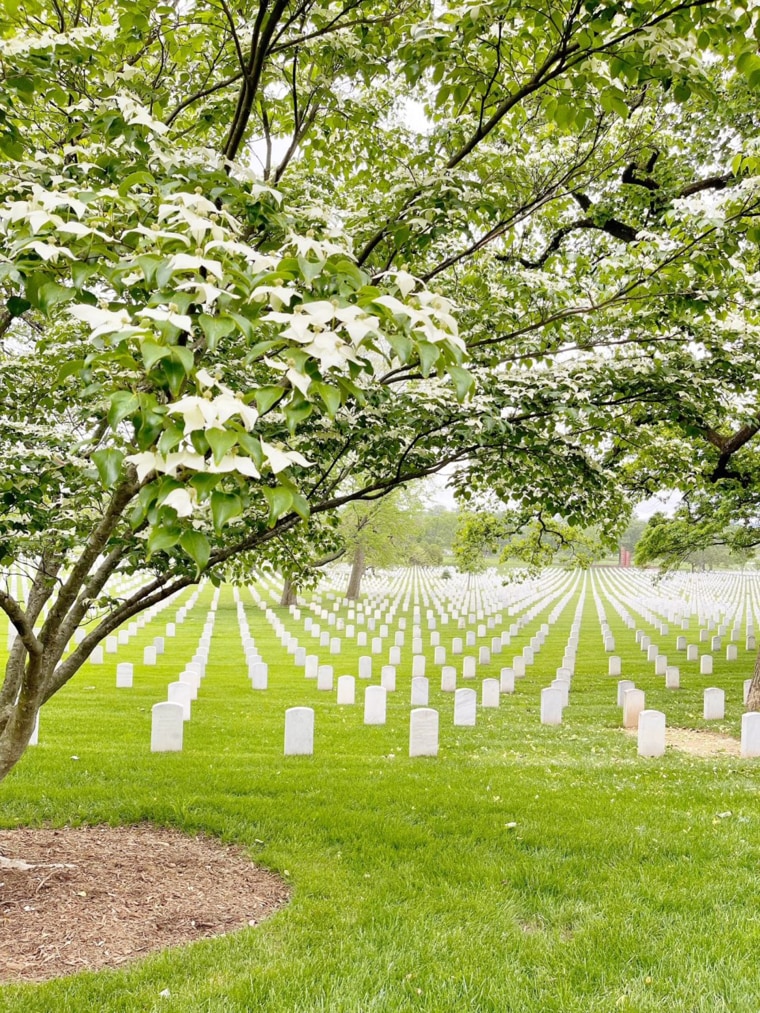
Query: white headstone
[465,703]
[507,680]
[388,678]
[490,693]
[299,731]
[706,664]
[660,664]
[714,704]
[420,692]
[634,702]
[468,667]
[418,665]
[551,706]
[181,693]
[346,689]
[672,677]
[750,734]
[96,657]
[747,685]
[149,656]
[374,705]
[613,665]
[259,673]
[311,663]
[112,644]
[651,735]
[325,677]
[167,720]
[448,679]
[124,674]
[423,732]
[622,687]
[365,666]
[732,652]
[692,652]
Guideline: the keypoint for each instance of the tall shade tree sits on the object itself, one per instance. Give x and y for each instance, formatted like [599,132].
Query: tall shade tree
[249,253]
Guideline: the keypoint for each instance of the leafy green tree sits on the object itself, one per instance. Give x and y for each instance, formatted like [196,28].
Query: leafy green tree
[251,253]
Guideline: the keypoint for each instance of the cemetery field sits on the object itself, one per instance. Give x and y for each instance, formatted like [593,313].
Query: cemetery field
[527,868]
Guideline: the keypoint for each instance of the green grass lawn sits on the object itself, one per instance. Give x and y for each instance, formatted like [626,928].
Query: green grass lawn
[530,869]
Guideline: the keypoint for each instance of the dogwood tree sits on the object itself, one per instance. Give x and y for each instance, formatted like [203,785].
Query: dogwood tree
[264,260]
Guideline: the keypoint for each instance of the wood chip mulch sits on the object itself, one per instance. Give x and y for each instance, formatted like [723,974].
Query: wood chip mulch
[102,896]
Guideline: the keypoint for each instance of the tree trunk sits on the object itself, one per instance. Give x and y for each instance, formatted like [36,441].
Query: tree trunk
[753,699]
[357,572]
[289,595]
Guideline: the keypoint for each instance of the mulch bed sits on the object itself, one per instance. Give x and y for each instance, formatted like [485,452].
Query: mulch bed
[102,896]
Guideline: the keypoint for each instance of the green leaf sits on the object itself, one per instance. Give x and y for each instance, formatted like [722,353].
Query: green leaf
[280,501]
[16,306]
[268,396]
[330,396]
[224,506]
[152,352]
[162,538]
[108,462]
[204,484]
[196,545]
[215,328]
[69,369]
[183,356]
[122,404]
[175,375]
[429,355]
[463,381]
[52,294]
[301,505]
[221,442]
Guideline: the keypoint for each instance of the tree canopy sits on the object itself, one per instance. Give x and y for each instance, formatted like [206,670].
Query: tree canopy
[264,260]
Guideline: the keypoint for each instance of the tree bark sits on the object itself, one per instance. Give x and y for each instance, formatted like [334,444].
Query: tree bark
[753,698]
[357,572]
[289,595]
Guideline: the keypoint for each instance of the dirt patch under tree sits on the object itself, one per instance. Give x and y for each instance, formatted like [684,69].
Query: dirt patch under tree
[99,897]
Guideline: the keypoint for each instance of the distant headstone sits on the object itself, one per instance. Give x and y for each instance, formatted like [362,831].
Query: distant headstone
[365,666]
[374,705]
[418,665]
[167,722]
[651,733]
[423,732]
[692,652]
[551,706]
[465,703]
[732,652]
[672,677]
[96,657]
[181,693]
[346,689]
[706,664]
[311,664]
[299,731]
[420,692]
[622,688]
[456,645]
[124,675]
[149,655]
[507,680]
[714,704]
[468,667]
[747,685]
[112,644]
[680,643]
[750,745]
[259,673]
[634,702]
[613,665]
[448,679]
[388,678]
[490,693]
[325,678]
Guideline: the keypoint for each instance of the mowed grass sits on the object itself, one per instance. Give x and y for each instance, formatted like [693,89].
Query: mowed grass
[526,868]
